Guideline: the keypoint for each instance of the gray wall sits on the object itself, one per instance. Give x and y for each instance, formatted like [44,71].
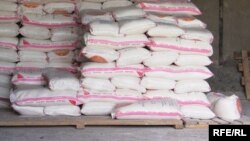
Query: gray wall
[236,24]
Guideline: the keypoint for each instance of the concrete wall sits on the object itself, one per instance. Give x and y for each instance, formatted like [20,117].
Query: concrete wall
[236,24]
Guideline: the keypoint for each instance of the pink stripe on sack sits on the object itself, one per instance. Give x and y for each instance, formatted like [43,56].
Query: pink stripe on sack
[9,18]
[180,48]
[28,80]
[73,70]
[193,102]
[46,99]
[14,46]
[110,97]
[179,71]
[140,72]
[28,68]
[7,69]
[170,9]
[124,43]
[111,69]
[25,20]
[27,44]
[141,113]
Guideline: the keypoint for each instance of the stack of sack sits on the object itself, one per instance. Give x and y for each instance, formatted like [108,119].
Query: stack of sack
[50,35]
[186,46]
[147,51]
[8,47]
[44,83]
[105,82]
[54,93]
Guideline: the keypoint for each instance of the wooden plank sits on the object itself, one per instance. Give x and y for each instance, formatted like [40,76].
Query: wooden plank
[243,81]
[108,121]
[238,55]
[246,73]
[210,122]
[10,118]
[220,121]
[240,67]
[43,121]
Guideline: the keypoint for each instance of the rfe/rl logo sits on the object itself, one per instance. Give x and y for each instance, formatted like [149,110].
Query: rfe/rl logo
[224,132]
[229,132]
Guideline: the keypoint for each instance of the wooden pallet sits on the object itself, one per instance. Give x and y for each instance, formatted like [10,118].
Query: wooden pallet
[197,123]
[9,118]
[244,66]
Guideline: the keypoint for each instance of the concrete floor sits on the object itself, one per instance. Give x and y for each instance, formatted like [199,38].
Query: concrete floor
[227,80]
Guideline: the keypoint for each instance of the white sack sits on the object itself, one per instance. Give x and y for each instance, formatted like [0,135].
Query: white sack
[64,34]
[35,32]
[28,110]
[162,18]
[190,22]
[152,109]
[104,28]
[62,80]
[28,78]
[5,81]
[154,83]
[128,13]
[115,4]
[197,112]
[9,29]
[62,110]
[32,56]
[31,66]
[88,6]
[8,43]
[161,58]
[137,26]
[181,46]
[228,108]
[179,73]
[43,97]
[182,99]
[181,8]
[46,45]
[165,30]
[48,20]
[128,82]
[98,15]
[193,60]
[131,56]
[100,54]
[199,34]
[30,8]
[61,56]
[98,108]
[97,84]
[120,96]
[192,85]
[107,70]
[66,66]
[9,17]
[8,55]
[118,42]
[59,8]
[7,67]
[8,6]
